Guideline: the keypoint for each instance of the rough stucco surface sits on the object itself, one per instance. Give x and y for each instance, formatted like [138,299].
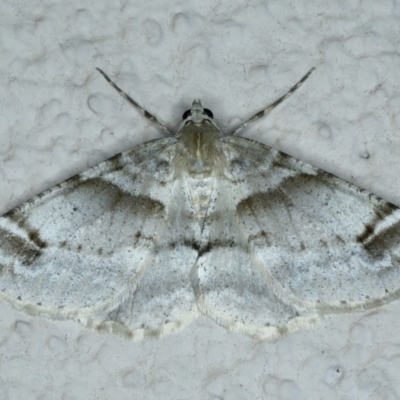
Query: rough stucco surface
[58,117]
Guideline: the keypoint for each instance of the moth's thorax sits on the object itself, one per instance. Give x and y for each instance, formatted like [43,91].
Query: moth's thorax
[199,148]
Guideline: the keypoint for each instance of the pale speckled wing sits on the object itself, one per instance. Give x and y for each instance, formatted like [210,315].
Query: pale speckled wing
[94,248]
[285,243]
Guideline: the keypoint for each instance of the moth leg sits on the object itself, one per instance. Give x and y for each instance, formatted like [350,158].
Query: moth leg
[147,115]
[260,114]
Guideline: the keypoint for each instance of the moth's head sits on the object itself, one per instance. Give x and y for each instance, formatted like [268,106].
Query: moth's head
[197,114]
[198,119]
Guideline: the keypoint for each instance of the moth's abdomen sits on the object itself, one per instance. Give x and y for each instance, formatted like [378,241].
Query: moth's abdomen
[200,193]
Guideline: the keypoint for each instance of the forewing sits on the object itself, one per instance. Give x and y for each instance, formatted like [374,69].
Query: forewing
[295,243]
[95,248]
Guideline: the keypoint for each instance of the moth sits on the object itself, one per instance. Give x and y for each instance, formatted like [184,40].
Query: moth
[200,222]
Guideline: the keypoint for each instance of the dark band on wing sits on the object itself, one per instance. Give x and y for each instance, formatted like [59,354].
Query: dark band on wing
[378,244]
[383,210]
[33,234]
[12,245]
[217,244]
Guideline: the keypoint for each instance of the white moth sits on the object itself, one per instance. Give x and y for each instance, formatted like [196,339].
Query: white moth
[200,223]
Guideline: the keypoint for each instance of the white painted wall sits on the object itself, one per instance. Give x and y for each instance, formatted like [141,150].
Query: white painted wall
[58,117]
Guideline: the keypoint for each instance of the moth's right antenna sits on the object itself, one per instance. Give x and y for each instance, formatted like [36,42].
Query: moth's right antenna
[260,114]
[150,117]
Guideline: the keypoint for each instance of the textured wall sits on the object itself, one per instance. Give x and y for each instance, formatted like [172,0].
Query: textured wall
[58,117]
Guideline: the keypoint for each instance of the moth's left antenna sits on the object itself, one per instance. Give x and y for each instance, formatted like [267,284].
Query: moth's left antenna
[149,116]
[261,113]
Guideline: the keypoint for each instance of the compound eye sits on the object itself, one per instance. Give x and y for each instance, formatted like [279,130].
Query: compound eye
[208,113]
[186,114]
